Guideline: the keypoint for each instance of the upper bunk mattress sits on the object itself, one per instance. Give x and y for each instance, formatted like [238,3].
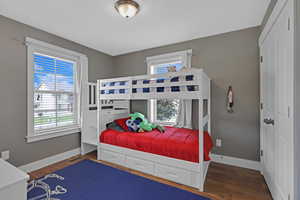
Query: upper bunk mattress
[179,143]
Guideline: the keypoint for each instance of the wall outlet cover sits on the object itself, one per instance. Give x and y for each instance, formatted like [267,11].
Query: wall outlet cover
[219,143]
[5,155]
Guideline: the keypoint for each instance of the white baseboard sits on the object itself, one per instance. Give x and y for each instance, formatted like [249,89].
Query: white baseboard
[238,162]
[49,160]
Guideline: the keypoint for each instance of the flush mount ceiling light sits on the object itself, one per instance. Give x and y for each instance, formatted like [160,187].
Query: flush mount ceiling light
[127,8]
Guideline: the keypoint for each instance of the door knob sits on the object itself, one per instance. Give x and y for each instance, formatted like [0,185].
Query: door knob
[269,121]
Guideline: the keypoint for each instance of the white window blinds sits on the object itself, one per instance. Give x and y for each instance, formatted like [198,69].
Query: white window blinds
[54,92]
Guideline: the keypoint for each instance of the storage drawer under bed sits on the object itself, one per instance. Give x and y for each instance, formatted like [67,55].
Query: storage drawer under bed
[173,174]
[112,157]
[140,165]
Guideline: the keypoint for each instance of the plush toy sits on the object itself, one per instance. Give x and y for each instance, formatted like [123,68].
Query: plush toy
[142,123]
[172,69]
[184,69]
[132,125]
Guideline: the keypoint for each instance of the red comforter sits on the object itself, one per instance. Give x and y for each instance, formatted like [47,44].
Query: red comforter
[177,143]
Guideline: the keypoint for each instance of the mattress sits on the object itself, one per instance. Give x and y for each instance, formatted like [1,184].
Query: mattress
[179,143]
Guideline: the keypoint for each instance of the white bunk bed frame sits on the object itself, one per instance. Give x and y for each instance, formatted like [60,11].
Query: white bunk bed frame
[180,171]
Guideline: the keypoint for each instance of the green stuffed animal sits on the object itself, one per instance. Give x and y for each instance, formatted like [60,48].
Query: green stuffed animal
[144,124]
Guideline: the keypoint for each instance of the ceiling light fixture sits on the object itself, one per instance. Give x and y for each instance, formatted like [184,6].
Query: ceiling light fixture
[127,8]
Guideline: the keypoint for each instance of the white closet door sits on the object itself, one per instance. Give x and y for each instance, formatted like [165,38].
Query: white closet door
[268,52]
[277,99]
[283,95]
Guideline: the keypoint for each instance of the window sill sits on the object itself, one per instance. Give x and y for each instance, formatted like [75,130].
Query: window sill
[165,123]
[52,134]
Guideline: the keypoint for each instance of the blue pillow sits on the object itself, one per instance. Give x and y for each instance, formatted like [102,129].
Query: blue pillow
[114,126]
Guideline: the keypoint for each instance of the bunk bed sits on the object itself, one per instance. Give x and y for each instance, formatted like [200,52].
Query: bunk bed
[113,102]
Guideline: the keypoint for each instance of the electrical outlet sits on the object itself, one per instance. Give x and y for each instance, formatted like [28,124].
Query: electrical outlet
[5,155]
[219,143]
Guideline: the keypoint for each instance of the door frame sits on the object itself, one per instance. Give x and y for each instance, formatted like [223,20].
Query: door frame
[280,5]
[261,105]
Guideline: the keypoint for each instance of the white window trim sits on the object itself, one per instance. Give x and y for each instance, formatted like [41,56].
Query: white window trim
[81,89]
[184,56]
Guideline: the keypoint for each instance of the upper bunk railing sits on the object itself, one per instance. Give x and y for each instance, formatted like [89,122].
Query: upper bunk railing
[188,84]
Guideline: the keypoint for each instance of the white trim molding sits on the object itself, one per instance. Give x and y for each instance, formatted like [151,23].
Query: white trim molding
[272,19]
[237,162]
[49,160]
[80,82]
[183,56]
[37,43]
[52,134]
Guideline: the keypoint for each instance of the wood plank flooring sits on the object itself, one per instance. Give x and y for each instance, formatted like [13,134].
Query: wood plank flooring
[223,181]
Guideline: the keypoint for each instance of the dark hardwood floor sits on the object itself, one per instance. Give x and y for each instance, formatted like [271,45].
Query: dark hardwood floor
[223,181]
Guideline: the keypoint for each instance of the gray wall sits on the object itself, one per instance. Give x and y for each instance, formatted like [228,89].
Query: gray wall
[228,59]
[297,100]
[13,70]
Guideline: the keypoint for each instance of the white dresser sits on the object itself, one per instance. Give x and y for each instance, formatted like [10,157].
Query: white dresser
[13,182]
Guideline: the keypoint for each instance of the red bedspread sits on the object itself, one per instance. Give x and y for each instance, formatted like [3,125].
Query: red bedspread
[177,143]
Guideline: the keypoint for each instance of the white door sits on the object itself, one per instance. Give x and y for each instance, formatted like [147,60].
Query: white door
[267,105]
[277,101]
[283,102]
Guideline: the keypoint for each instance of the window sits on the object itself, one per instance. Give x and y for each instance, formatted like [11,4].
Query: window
[165,111]
[54,91]
[54,80]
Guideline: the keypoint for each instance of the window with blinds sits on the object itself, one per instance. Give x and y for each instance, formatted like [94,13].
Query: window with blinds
[54,92]
[165,111]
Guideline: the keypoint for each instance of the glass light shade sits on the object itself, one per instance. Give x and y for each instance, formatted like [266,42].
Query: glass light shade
[127,9]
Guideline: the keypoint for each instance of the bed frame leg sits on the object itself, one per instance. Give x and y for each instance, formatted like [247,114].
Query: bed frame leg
[201,188]
[98,153]
[201,179]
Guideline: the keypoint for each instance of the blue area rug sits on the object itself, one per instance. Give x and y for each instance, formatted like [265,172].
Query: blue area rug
[89,180]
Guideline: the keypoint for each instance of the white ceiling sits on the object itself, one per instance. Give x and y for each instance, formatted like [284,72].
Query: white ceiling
[96,24]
